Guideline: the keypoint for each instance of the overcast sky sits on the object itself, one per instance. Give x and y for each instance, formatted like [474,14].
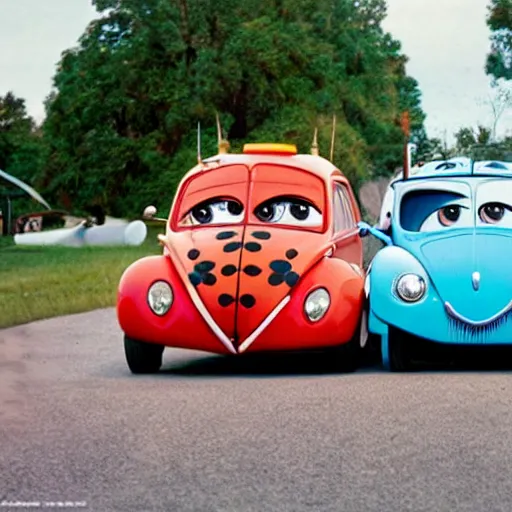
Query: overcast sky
[446,41]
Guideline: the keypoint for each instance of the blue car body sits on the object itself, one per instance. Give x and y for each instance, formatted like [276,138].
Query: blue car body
[451,235]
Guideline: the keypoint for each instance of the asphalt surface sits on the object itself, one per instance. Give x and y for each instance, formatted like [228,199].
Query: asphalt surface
[215,434]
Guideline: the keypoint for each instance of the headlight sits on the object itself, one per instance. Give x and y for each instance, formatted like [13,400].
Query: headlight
[317,303]
[160,297]
[411,287]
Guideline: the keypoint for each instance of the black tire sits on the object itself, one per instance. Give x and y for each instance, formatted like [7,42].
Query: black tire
[371,350]
[399,353]
[142,357]
[348,355]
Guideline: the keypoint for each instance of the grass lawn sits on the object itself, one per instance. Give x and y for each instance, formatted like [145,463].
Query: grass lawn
[43,282]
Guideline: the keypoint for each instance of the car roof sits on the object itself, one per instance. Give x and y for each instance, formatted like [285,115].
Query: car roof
[458,167]
[316,165]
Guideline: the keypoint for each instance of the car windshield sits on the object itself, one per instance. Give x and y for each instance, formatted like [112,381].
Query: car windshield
[286,196]
[438,205]
[270,195]
[213,198]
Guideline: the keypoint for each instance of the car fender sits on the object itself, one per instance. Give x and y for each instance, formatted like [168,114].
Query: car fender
[138,321]
[290,329]
[387,266]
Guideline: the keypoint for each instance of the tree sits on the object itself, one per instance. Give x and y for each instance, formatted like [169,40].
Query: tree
[121,121]
[466,138]
[499,20]
[21,146]
[499,103]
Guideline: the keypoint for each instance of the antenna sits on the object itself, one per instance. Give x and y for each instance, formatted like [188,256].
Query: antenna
[219,129]
[405,123]
[222,143]
[314,146]
[199,159]
[332,136]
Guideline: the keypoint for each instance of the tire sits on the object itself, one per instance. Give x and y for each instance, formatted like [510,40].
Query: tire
[142,357]
[348,355]
[369,342]
[399,353]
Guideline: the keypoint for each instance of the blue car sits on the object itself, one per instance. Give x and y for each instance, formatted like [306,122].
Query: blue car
[445,273]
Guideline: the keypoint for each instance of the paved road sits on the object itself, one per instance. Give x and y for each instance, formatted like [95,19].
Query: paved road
[209,434]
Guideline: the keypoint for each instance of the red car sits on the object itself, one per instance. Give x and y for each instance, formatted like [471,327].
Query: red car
[262,252]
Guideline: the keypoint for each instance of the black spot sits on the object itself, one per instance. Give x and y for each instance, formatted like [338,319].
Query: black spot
[275,279]
[291,253]
[252,270]
[261,235]
[280,266]
[209,279]
[204,266]
[195,278]
[193,254]
[232,246]
[291,278]
[224,235]
[225,300]
[253,246]
[247,301]
[228,270]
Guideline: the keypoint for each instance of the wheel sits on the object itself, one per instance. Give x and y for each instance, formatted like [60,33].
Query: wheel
[369,342]
[364,334]
[396,355]
[348,355]
[142,357]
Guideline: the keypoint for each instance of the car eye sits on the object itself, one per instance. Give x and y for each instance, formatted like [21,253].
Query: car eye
[300,211]
[215,211]
[270,211]
[202,214]
[290,211]
[496,213]
[451,215]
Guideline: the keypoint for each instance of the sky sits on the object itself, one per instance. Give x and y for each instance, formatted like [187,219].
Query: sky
[446,42]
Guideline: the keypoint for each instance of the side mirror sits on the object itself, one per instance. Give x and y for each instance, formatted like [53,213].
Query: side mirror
[149,212]
[365,229]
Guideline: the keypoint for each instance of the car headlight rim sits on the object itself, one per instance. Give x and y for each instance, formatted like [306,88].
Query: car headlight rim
[160,297]
[316,304]
[405,286]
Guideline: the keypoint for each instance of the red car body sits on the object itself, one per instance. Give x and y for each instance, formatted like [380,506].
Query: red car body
[239,282]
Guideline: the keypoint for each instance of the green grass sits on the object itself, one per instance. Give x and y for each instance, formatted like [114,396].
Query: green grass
[43,282]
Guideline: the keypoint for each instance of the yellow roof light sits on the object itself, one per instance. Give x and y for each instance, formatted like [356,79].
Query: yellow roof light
[270,149]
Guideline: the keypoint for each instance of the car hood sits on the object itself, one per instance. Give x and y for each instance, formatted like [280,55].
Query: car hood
[273,262]
[471,271]
[242,273]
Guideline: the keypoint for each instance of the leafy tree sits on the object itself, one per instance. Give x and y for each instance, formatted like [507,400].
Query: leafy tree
[499,20]
[466,138]
[21,145]
[121,123]
[480,145]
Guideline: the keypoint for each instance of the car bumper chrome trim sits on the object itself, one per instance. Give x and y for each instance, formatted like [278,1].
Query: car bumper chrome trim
[481,323]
